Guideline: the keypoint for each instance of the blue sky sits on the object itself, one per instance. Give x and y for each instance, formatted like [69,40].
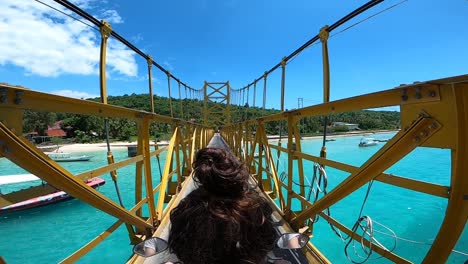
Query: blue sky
[235,40]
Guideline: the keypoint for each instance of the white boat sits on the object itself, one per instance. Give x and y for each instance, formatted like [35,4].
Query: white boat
[48,148]
[367,142]
[66,157]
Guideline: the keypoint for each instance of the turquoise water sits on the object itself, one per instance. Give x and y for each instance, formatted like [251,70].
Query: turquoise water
[49,234]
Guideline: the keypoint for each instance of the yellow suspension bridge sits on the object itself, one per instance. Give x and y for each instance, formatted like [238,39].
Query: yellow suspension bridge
[434,114]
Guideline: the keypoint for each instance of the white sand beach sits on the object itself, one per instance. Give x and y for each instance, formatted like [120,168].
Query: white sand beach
[92,147]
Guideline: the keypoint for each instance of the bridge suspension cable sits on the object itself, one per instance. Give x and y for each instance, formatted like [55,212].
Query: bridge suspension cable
[99,24]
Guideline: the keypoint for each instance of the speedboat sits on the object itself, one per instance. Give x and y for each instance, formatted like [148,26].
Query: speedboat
[367,142]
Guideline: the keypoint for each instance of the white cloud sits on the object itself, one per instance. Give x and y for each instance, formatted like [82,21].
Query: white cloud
[169,63]
[137,38]
[112,17]
[47,43]
[75,94]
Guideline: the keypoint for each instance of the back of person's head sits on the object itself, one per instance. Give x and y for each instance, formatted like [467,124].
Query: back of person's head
[220,173]
[221,222]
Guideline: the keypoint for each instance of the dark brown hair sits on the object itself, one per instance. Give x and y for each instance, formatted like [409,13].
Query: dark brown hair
[221,221]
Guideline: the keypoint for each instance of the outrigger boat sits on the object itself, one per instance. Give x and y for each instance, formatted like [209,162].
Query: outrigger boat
[52,195]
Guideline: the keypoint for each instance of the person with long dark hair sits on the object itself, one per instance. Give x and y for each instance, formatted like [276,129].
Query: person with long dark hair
[221,221]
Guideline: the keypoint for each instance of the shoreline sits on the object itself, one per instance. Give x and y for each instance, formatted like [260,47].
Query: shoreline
[93,147]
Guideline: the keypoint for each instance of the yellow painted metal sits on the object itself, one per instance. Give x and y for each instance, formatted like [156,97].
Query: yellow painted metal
[326,65]
[411,184]
[105,33]
[37,101]
[13,118]
[265,76]
[456,215]
[177,152]
[283,81]
[169,92]
[165,177]
[263,143]
[300,165]
[150,81]
[145,138]
[111,167]
[101,237]
[180,102]
[216,104]
[374,100]
[194,145]
[37,163]
[291,123]
[139,171]
[398,147]
[158,150]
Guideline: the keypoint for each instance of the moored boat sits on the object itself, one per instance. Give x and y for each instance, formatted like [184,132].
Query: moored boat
[51,198]
[367,142]
[66,157]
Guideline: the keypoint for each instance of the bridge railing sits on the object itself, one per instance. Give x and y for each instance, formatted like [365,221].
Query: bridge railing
[187,138]
[433,114]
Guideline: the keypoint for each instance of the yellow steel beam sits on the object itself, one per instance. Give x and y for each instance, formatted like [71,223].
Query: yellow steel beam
[139,170]
[399,146]
[456,215]
[300,166]
[326,65]
[429,92]
[158,151]
[145,138]
[387,254]
[150,81]
[194,145]
[169,92]
[108,168]
[22,155]
[411,184]
[291,123]
[101,237]
[37,101]
[13,118]
[272,167]
[105,33]
[165,177]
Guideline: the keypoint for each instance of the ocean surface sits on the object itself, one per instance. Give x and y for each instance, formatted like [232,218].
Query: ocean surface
[49,234]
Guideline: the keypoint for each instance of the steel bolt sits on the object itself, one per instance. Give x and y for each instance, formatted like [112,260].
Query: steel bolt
[434,125]
[417,139]
[18,95]
[3,95]
[404,95]
[418,94]
[6,149]
[424,133]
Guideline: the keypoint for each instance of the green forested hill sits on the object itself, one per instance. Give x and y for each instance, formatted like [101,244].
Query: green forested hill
[87,128]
